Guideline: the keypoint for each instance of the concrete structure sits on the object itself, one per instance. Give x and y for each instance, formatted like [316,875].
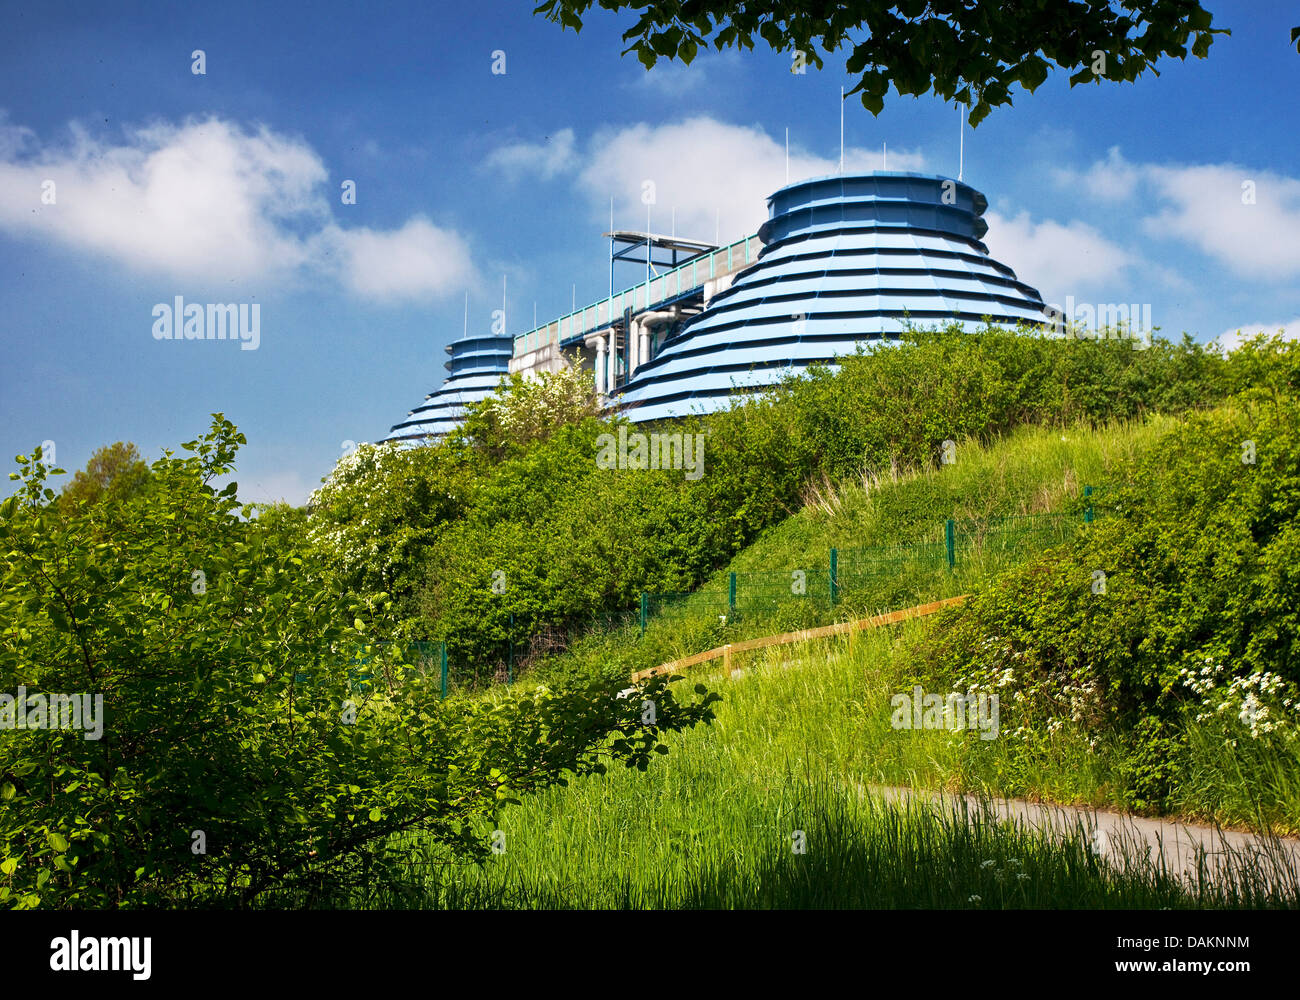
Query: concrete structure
[842,261]
[476,367]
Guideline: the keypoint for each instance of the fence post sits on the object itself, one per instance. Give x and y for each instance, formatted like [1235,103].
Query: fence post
[950,541]
[835,577]
[1087,511]
[645,610]
[443,657]
[731,593]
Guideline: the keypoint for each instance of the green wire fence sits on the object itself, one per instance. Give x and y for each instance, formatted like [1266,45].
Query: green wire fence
[877,575]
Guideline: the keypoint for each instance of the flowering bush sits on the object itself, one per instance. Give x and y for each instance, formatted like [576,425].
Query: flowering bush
[1196,618]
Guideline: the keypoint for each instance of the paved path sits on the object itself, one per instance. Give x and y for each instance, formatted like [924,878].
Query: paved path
[1182,847]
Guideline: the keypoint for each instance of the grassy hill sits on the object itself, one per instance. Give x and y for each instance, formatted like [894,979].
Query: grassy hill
[802,731]
[1010,499]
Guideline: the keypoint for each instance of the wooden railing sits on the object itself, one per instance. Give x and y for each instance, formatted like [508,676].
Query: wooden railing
[804,635]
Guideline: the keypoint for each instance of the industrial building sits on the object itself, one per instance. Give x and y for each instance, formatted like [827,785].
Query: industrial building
[841,261]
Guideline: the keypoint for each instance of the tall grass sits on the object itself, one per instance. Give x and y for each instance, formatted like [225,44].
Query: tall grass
[799,734]
[802,731]
[889,529]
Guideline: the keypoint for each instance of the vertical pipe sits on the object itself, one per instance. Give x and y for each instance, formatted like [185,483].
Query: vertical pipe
[1087,512]
[835,577]
[510,651]
[443,658]
[731,592]
[961,146]
[950,541]
[645,610]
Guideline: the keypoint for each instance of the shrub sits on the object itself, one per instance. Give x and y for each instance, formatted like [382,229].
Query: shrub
[244,747]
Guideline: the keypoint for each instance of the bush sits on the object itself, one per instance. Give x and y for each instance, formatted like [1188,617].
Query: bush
[1178,605]
[243,747]
[540,538]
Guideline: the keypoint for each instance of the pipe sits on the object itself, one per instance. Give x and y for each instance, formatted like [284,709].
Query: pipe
[648,319]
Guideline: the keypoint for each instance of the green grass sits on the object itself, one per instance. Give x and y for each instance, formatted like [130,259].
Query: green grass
[712,823]
[804,730]
[889,532]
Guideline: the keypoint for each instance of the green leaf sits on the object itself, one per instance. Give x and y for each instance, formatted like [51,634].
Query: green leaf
[8,866]
[57,840]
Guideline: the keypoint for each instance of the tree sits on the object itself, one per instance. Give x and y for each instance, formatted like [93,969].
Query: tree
[970,51]
[114,472]
[527,409]
[223,746]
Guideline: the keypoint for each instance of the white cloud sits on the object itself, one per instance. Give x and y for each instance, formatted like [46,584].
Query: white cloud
[675,79]
[417,261]
[717,176]
[706,170]
[1246,219]
[1113,179]
[1230,340]
[1204,207]
[1060,260]
[205,201]
[552,156]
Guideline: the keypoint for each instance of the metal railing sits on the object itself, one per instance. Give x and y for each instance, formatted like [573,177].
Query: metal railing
[683,278]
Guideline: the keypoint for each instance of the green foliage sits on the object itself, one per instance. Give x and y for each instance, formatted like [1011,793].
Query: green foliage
[483,541]
[526,409]
[803,737]
[973,52]
[1178,605]
[113,473]
[1154,764]
[375,516]
[240,750]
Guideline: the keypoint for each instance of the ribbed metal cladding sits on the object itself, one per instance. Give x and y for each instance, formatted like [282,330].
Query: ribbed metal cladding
[476,367]
[846,260]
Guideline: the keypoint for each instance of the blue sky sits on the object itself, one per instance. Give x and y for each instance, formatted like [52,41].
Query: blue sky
[226,187]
